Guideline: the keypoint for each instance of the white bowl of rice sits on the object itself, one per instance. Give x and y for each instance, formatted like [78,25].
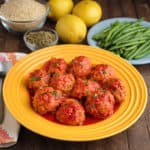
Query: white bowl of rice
[19,16]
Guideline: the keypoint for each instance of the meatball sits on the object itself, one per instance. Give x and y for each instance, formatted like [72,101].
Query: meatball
[103,72]
[46,100]
[71,112]
[80,66]
[100,104]
[117,88]
[83,87]
[37,79]
[55,65]
[63,82]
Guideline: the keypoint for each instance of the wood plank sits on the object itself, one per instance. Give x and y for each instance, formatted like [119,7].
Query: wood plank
[96,145]
[104,5]
[10,46]
[3,32]
[32,141]
[2,43]
[117,142]
[147,112]
[138,136]
[52,144]
[144,70]
[2,1]
[13,43]
[128,8]
[22,47]
[74,146]
[142,9]
[114,8]
[148,1]
[146,76]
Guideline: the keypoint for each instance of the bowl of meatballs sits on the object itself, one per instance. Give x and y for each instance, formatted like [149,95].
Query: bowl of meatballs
[77,96]
[72,92]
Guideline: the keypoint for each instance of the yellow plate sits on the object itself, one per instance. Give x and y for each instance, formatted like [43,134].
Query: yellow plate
[17,97]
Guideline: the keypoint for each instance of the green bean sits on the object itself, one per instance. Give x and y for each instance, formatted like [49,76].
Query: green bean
[123,26]
[111,32]
[127,39]
[147,48]
[138,50]
[130,53]
[99,43]
[134,40]
[100,34]
[128,44]
[130,49]
[116,52]
[133,29]
[147,31]
[142,55]
[126,36]
[107,44]
[121,51]
[131,26]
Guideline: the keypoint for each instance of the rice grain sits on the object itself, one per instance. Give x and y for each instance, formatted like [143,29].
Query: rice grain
[22,10]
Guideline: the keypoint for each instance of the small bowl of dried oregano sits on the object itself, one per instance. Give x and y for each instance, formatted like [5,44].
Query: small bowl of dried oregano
[37,39]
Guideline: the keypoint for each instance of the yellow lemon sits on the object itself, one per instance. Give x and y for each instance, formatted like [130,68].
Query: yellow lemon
[58,8]
[71,29]
[89,11]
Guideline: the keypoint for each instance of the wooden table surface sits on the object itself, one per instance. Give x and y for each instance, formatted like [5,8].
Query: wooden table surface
[137,137]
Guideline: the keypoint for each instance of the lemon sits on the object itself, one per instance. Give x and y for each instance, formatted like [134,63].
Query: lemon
[58,8]
[89,11]
[71,29]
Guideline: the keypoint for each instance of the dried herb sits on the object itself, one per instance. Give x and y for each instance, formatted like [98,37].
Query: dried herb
[41,38]
[95,95]
[35,78]
[55,64]
[56,93]
[85,82]
[104,72]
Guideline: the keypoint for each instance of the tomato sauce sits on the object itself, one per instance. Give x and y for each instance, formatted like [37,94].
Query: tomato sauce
[89,120]
[85,82]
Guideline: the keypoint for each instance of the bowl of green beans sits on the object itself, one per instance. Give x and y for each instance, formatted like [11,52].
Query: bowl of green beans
[127,37]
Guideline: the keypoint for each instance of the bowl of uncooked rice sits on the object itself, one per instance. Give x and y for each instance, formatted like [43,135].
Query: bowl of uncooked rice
[20,16]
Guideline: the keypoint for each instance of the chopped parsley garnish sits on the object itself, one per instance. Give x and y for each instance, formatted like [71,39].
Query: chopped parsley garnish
[95,95]
[33,78]
[85,82]
[103,90]
[92,80]
[65,105]
[104,72]
[56,93]
[93,106]
[56,63]
[44,93]
[81,64]
[87,92]
[56,75]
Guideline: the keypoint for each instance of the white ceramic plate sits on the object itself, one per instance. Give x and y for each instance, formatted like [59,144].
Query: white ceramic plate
[106,23]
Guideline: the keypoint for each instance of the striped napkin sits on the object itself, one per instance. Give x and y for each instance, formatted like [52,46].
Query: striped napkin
[9,128]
